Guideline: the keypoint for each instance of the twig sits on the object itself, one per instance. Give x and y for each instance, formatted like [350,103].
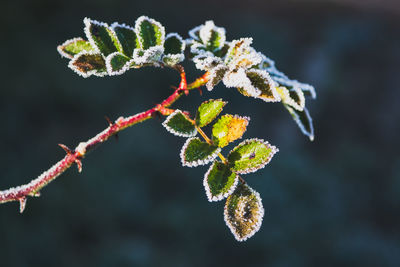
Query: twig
[20,193]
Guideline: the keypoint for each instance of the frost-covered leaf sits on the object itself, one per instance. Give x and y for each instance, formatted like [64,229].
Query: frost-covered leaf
[174,44]
[215,76]
[251,155]
[174,47]
[117,63]
[195,33]
[243,212]
[211,36]
[219,181]
[88,63]
[303,120]
[241,55]
[149,56]
[208,111]
[178,124]
[101,37]
[207,61]
[307,89]
[238,79]
[195,152]
[150,32]
[74,46]
[229,128]
[127,38]
[260,80]
[293,97]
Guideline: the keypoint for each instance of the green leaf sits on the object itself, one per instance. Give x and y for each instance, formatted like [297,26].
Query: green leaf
[127,38]
[303,120]
[88,63]
[150,56]
[208,111]
[219,181]
[211,36]
[174,47]
[101,37]
[243,212]
[117,63]
[174,44]
[228,129]
[150,32]
[178,124]
[260,80]
[74,46]
[251,155]
[195,152]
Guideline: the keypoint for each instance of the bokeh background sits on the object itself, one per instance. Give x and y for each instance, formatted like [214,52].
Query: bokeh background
[331,202]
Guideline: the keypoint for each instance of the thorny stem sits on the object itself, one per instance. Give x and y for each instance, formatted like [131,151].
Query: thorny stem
[209,141]
[20,193]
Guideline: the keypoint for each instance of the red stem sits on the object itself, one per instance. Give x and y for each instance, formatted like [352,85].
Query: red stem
[20,193]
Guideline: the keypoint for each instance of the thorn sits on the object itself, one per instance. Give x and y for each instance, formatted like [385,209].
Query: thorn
[173,87]
[66,149]
[36,194]
[79,164]
[186,91]
[22,204]
[108,120]
[200,91]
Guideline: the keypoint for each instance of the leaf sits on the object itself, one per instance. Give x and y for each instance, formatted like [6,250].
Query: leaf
[307,89]
[73,46]
[178,124]
[117,63]
[101,37]
[207,61]
[195,33]
[174,44]
[303,120]
[260,80]
[294,97]
[88,63]
[195,152]
[127,38]
[211,36]
[150,56]
[241,55]
[150,32]
[219,181]
[174,47]
[208,111]
[251,155]
[243,212]
[215,76]
[228,129]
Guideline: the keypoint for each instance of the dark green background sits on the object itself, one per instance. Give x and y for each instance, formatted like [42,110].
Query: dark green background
[331,202]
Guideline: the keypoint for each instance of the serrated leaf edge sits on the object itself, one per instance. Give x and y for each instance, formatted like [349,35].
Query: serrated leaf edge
[271,83]
[219,197]
[245,118]
[89,73]
[294,83]
[147,56]
[300,124]
[219,111]
[196,163]
[67,42]
[206,33]
[152,21]
[257,226]
[274,150]
[122,70]
[87,21]
[169,129]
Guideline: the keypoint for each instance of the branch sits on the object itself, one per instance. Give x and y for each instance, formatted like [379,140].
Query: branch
[20,193]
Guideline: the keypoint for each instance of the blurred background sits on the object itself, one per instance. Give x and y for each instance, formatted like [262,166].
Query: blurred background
[331,202]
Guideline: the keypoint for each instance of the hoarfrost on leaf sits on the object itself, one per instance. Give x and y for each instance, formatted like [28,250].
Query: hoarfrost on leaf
[195,152]
[219,181]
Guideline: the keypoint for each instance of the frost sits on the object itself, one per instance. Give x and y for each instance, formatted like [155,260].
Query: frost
[303,120]
[151,55]
[161,37]
[67,43]
[215,76]
[244,212]
[174,131]
[238,79]
[222,195]
[207,159]
[97,72]
[306,88]
[120,71]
